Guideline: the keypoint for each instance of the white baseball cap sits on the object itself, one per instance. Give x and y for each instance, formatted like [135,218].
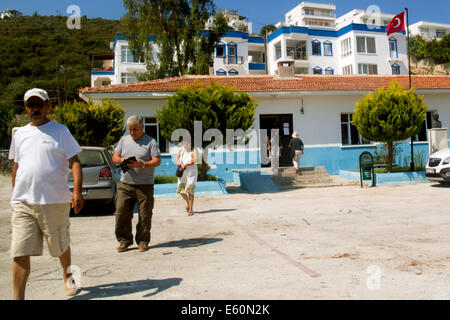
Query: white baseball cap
[36,92]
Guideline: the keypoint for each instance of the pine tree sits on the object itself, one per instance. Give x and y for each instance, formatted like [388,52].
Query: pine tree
[389,115]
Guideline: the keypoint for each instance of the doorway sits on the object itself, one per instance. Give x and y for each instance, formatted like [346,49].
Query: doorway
[284,123]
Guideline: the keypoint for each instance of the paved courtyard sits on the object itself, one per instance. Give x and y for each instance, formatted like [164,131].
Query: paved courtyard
[389,242]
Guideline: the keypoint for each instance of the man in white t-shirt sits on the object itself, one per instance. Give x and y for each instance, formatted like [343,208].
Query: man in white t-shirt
[42,152]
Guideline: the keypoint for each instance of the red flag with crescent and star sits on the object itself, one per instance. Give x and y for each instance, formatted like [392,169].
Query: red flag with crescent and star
[397,24]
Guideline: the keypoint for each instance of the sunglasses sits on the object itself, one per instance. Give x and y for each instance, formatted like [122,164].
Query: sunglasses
[31,105]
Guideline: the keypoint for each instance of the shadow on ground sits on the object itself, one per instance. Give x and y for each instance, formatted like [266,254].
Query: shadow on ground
[126,288]
[214,210]
[441,185]
[187,243]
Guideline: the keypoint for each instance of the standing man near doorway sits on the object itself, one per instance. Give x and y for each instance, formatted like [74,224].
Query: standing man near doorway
[136,184]
[42,152]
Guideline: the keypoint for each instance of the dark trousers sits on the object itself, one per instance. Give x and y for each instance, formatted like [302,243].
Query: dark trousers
[127,196]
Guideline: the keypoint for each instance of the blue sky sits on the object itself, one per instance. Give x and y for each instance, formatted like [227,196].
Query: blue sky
[261,12]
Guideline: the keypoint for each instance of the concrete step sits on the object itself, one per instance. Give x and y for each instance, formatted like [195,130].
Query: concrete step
[308,176]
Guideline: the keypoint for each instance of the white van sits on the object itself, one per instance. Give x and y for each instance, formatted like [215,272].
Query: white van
[438,166]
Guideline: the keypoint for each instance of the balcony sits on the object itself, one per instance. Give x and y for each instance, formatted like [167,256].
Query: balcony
[319,14]
[297,55]
[233,60]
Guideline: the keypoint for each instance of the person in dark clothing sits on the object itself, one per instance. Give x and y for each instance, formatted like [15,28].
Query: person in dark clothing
[296,146]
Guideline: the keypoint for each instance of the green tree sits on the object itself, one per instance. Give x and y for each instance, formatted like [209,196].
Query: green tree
[267,29]
[389,115]
[177,25]
[92,125]
[215,105]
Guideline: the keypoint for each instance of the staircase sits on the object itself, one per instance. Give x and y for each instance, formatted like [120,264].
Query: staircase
[309,177]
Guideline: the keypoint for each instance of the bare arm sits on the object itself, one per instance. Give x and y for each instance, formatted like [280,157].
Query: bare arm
[117,159]
[77,173]
[14,172]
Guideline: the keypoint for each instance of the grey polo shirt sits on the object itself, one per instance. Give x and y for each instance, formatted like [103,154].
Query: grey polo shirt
[144,149]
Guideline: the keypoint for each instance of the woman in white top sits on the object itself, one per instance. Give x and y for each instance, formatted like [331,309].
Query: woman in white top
[187,159]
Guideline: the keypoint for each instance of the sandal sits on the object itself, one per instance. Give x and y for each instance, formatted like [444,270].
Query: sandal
[191,213]
[187,209]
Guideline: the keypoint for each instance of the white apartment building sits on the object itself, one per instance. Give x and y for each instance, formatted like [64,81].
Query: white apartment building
[429,30]
[237,53]
[236,21]
[354,49]
[369,18]
[312,15]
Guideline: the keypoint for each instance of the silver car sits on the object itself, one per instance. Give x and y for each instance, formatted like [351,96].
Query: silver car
[99,177]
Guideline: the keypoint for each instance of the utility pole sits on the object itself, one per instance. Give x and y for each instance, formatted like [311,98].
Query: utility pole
[410,84]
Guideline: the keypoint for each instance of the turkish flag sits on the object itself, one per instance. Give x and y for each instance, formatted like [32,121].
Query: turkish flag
[397,24]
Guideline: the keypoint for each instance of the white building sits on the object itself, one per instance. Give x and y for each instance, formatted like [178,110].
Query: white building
[429,30]
[237,53]
[312,15]
[369,18]
[9,13]
[354,49]
[236,21]
[319,108]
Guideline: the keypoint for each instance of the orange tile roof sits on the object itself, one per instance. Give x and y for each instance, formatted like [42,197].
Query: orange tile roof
[274,84]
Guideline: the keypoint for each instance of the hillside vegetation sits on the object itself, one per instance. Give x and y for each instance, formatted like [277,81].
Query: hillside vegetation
[33,50]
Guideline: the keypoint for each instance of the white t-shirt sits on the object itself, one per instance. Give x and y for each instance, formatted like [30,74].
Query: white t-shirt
[43,154]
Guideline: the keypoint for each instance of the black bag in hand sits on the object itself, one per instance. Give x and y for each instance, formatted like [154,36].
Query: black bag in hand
[179,172]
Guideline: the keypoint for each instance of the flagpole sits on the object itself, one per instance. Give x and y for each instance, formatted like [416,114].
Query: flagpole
[410,83]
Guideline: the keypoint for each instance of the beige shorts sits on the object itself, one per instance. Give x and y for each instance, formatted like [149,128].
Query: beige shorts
[31,223]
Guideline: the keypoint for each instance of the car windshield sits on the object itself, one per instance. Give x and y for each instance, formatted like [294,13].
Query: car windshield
[91,158]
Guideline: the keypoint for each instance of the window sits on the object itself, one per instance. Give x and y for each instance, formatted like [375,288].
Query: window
[329,70]
[349,133]
[422,136]
[277,53]
[232,52]
[317,70]
[127,56]
[327,48]
[128,77]
[233,72]
[395,69]
[347,69]
[316,48]
[365,45]
[220,50]
[221,72]
[364,68]
[440,33]
[393,50]
[346,47]
[151,127]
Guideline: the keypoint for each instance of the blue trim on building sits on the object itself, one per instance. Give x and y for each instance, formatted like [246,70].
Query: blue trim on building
[317,69]
[255,40]
[124,37]
[326,33]
[256,66]
[233,72]
[102,73]
[328,43]
[395,65]
[235,46]
[329,69]
[315,41]
[396,46]
[221,72]
[224,45]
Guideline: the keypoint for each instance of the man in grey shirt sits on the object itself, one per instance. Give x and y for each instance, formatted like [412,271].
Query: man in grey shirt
[136,184]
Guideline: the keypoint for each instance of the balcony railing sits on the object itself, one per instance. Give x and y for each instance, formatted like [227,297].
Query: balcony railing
[297,55]
[233,60]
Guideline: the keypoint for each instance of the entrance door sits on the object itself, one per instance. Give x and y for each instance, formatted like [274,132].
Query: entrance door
[284,123]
